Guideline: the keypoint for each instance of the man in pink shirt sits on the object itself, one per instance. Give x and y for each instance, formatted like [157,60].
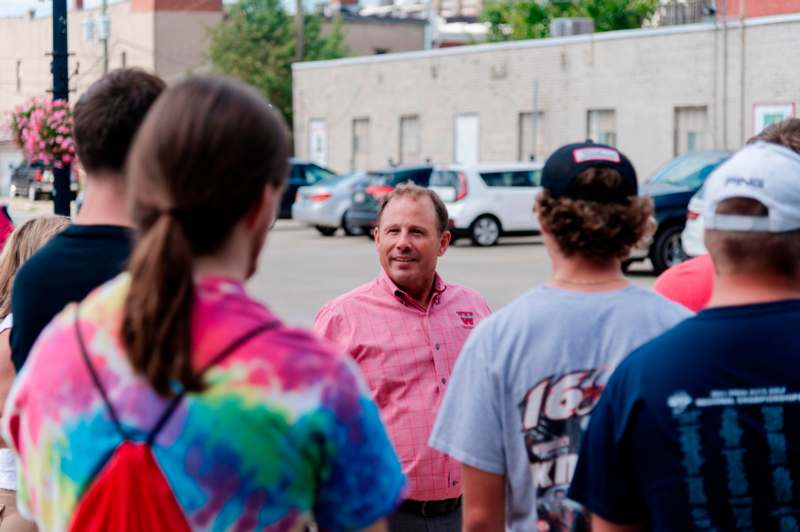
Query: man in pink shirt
[405,329]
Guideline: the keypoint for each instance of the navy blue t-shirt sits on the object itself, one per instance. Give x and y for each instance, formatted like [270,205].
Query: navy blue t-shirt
[699,429]
[65,270]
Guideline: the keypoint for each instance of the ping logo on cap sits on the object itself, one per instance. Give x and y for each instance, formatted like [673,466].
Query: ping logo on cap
[752,182]
[582,155]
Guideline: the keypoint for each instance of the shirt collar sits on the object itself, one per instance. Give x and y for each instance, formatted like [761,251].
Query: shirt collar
[439,286]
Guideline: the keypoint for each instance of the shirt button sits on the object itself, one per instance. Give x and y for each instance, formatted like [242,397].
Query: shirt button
[444,381]
[437,347]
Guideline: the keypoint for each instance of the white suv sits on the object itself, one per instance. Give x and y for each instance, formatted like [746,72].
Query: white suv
[488,200]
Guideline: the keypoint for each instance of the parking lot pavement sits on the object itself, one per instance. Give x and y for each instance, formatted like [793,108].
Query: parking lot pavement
[22,209]
[301,270]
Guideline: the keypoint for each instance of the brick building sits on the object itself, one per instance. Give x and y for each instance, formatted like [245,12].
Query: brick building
[654,93]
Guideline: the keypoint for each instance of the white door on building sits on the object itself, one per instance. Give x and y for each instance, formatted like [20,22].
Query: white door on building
[467,139]
[318,142]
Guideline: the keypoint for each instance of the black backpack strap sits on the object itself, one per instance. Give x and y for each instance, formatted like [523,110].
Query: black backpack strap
[232,347]
[95,377]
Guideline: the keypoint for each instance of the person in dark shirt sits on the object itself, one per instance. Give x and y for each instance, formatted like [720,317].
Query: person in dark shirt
[699,429]
[96,247]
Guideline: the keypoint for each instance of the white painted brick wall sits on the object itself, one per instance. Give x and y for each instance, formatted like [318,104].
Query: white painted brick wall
[642,74]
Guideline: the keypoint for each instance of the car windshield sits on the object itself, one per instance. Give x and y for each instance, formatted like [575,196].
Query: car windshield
[335,180]
[317,175]
[444,178]
[688,170]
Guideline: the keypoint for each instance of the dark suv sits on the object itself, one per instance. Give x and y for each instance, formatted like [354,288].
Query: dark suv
[364,210]
[302,173]
[671,188]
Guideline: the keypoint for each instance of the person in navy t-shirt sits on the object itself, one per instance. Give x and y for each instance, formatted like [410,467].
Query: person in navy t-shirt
[699,429]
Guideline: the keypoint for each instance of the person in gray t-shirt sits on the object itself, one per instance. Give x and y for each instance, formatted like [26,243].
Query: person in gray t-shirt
[528,377]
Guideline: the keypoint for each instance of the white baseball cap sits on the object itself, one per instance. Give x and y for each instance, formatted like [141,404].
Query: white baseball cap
[766,172]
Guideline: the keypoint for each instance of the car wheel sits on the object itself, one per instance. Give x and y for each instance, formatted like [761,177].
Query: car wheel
[350,229]
[485,231]
[368,232]
[667,250]
[326,231]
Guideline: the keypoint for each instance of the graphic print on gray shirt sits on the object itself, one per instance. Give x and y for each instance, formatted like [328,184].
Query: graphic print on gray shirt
[525,383]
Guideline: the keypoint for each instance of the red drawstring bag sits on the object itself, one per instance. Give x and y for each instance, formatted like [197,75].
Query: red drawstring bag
[129,491]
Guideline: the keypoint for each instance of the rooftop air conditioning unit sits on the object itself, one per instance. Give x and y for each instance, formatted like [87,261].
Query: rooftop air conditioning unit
[566,26]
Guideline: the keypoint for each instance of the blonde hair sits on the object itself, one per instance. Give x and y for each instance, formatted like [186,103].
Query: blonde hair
[24,242]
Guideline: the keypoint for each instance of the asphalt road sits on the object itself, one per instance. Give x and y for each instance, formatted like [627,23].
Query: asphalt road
[300,270]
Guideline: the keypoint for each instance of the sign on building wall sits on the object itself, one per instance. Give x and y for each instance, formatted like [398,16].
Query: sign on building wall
[765,114]
[318,141]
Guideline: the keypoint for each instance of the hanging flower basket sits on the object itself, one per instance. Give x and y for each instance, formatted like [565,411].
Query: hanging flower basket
[43,130]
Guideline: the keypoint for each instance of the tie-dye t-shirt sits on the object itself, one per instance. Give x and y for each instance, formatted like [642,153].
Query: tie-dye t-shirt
[284,435]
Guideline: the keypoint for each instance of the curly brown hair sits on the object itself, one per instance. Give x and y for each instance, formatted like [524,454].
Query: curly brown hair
[594,230]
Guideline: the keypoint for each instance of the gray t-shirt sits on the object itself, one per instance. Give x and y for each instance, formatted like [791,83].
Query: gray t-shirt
[524,384]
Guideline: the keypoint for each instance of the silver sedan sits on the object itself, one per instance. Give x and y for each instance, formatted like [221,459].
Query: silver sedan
[325,204]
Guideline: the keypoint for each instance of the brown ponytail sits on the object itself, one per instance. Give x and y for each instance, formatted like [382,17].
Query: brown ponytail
[199,164]
[156,327]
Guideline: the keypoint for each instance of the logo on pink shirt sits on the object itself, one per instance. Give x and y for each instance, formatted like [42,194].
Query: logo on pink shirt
[467,318]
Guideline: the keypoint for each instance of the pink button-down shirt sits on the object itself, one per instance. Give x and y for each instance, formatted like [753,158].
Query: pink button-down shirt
[407,354]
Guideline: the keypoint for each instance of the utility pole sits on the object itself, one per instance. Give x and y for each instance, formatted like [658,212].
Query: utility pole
[60,70]
[300,30]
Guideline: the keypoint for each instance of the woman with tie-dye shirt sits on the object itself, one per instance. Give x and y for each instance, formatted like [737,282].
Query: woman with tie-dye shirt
[171,400]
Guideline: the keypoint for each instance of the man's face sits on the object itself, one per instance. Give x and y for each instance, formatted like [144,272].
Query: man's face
[409,243]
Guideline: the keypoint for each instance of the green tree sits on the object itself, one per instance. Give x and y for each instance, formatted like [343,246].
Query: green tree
[256,43]
[530,19]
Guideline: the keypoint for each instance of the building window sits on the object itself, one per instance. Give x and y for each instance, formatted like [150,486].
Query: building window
[19,75]
[530,135]
[381,51]
[691,129]
[359,157]
[601,126]
[410,142]
[124,59]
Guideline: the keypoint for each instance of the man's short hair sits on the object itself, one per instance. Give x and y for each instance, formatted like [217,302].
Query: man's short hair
[752,252]
[108,115]
[414,191]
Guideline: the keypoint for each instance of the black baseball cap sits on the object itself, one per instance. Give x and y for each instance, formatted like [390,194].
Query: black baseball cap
[564,165]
